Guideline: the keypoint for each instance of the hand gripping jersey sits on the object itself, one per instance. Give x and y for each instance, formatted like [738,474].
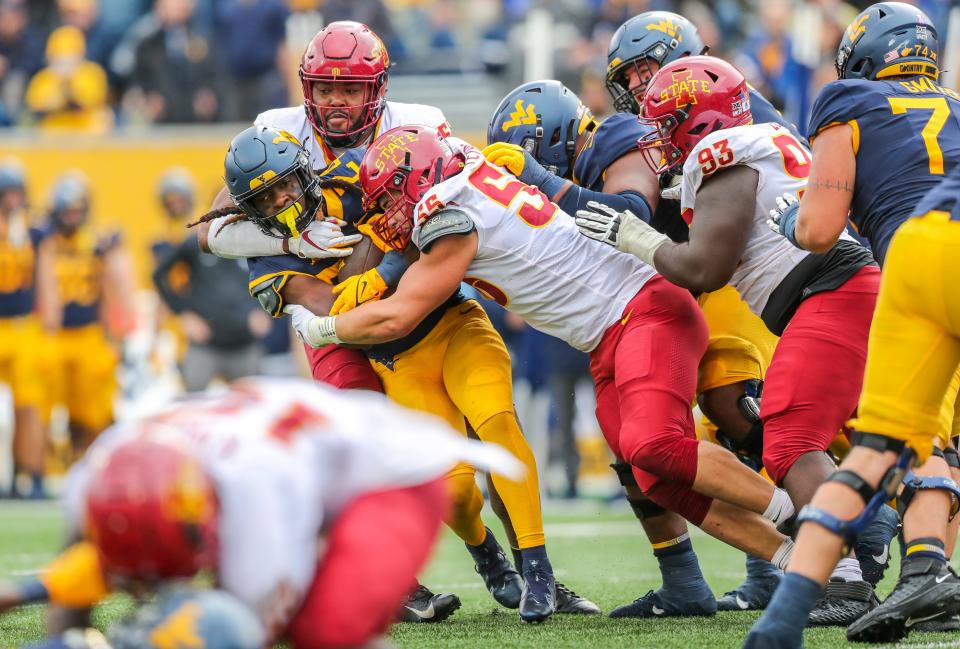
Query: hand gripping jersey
[531,258]
[286,457]
[906,137]
[783,164]
[294,120]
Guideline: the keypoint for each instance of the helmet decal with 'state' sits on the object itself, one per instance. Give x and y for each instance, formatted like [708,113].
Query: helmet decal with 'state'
[399,168]
[658,36]
[261,159]
[889,39]
[687,100]
[345,52]
[545,118]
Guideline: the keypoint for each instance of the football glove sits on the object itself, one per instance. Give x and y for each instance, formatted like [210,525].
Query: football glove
[322,240]
[356,290]
[511,157]
[783,219]
[625,231]
[312,329]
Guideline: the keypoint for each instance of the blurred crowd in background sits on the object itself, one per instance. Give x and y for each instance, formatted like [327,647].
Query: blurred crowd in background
[95,65]
[119,67]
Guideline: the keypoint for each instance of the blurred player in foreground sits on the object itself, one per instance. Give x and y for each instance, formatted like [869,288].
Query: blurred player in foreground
[314,507]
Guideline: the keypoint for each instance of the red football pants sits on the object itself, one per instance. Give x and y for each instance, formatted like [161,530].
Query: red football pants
[645,373]
[375,549]
[813,383]
[342,368]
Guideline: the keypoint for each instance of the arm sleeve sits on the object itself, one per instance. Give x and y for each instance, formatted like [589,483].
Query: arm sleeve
[241,239]
[161,274]
[577,198]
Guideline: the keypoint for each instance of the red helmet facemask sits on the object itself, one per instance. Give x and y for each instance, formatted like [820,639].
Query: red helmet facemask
[687,100]
[345,52]
[152,512]
[397,170]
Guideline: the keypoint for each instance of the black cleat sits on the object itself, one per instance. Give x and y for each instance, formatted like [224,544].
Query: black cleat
[538,601]
[927,590]
[569,603]
[843,603]
[501,578]
[657,604]
[944,624]
[756,590]
[422,605]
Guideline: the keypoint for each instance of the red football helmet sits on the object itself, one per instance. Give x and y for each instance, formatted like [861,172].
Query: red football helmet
[152,512]
[397,170]
[686,101]
[345,52]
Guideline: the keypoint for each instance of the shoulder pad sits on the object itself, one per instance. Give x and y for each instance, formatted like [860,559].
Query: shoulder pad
[842,101]
[449,220]
[268,295]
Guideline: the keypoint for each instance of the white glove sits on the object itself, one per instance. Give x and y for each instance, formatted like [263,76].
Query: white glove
[314,330]
[323,239]
[783,202]
[672,191]
[625,231]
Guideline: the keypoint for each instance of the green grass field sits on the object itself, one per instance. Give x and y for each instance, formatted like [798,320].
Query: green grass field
[597,550]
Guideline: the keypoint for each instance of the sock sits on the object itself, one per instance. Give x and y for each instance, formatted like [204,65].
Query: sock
[758,569]
[680,569]
[787,612]
[782,556]
[520,498]
[848,569]
[780,507]
[535,559]
[928,547]
[36,485]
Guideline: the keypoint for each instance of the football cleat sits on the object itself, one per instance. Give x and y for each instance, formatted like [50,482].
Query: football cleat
[872,546]
[756,590]
[423,605]
[658,604]
[569,603]
[501,578]
[843,603]
[927,590]
[944,624]
[539,598]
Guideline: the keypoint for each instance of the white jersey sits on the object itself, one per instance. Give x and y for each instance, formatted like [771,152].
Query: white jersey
[783,164]
[294,120]
[286,456]
[532,259]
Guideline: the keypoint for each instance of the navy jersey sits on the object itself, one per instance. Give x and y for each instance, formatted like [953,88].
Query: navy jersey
[614,138]
[18,253]
[946,197]
[79,269]
[906,136]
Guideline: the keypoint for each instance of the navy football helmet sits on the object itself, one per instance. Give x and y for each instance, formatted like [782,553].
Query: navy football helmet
[11,176]
[659,36]
[889,39]
[263,161]
[545,118]
[70,202]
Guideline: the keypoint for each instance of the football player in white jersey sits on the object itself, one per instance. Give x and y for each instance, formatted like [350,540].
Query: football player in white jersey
[733,172]
[474,222]
[314,507]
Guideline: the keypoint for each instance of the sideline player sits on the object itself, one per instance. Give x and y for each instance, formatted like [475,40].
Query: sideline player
[93,280]
[314,507]
[884,135]
[25,286]
[476,223]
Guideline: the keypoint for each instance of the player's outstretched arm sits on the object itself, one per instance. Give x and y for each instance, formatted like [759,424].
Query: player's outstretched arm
[428,282]
[825,204]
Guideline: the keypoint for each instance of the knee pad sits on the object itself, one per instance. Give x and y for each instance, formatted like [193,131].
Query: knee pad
[952,457]
[645,509]
[873,497]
